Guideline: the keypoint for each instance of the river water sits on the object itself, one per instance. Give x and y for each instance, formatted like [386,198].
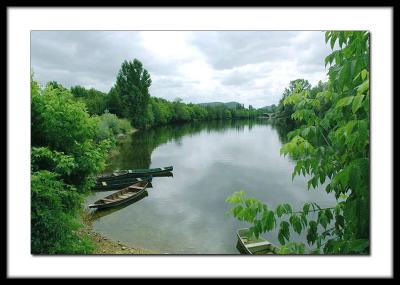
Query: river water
[187,213]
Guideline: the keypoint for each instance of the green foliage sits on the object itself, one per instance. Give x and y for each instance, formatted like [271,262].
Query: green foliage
[132,88]
[44,158]
[331,144]
[62,124]
[94,100]
[54,207]
[65,156]
[109,126]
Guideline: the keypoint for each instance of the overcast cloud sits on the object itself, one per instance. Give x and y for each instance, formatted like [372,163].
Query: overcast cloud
[247,67]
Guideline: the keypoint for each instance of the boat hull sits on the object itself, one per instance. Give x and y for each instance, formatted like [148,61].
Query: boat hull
[259,246]
[118,185]
[115,199]
[115,204]
[136,173]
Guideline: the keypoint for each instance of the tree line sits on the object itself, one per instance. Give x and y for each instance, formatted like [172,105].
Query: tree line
[130,98]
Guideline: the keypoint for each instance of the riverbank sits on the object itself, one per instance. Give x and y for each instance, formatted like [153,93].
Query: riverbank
[102,244]
[105,245]
[120,140]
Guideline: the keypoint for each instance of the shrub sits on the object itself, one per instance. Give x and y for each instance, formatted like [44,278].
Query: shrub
[54,222]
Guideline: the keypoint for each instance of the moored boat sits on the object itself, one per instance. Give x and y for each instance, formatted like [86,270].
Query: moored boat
[120,197]
[94,215]
[251,245]
[118,184]
[135,173]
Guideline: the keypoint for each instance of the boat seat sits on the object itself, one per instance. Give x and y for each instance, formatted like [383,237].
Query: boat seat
[136,187]
[107,200]
[256,244]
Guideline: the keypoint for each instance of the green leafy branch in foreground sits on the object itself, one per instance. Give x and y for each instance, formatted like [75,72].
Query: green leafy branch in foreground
[331,146]
[318,223]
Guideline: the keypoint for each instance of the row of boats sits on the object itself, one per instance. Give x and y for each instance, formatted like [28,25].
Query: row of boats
[130,184]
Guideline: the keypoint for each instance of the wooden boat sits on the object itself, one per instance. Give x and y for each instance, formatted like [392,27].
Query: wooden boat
[94,215]
[125,195]
[254,246]
[135,173]
[118,184]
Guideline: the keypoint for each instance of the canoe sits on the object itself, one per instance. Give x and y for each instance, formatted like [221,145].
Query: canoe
[254,246]
[118,184]
[95,215]
[123,196]
[134,173]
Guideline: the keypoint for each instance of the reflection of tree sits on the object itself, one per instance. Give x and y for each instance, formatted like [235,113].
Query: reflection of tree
[282,128]
[136,152]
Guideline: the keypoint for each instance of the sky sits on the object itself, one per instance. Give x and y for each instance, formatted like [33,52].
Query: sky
[250,67]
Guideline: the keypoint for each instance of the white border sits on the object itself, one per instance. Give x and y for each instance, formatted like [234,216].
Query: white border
[22,20]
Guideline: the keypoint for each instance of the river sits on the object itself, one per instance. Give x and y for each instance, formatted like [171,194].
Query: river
[187,213]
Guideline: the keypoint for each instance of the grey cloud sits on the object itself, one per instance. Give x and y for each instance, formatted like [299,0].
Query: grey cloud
[237,60]
[97,55]
[228,49]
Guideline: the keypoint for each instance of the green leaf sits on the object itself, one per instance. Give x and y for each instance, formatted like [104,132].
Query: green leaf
[269,221]
[363,87]
[327,36]
[357,102]
[364,74]
[344,101]
[284,233]
[323,219]
[333,39]
[312,232]
[306,208]
[280,210]
[344,74]
[288,208]
[296,223]
[359,245]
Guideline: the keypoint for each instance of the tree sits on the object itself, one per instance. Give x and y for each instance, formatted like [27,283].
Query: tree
[62,124]
[285,111]
[303,84]
[132,86]
[331,144]
[94,100]
[114,103]
[64,159]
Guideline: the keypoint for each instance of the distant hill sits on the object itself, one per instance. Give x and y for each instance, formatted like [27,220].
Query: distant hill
[230,105]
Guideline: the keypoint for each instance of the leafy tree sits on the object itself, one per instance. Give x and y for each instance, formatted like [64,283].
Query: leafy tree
[132,86]
[64,158]
[62,124]
[285,111]
[331,145]
[94,100]
[115,104]
[78,91]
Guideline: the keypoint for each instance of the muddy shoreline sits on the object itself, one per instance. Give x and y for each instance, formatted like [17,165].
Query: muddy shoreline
[104,245]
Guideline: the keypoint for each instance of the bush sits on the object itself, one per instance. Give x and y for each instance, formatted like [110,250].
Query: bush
[62,124]
[65,157]
[109,126]
[124,126]
[54,222]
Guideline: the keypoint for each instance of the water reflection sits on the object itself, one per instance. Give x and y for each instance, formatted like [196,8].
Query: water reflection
[187,213]
[136,152]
